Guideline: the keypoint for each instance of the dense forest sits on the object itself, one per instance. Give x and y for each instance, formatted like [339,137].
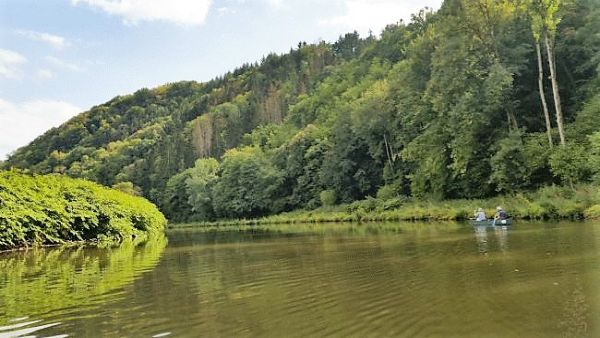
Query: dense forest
[482,97]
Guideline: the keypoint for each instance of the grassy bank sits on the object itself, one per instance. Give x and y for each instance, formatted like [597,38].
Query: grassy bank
[54,209]
[546,203]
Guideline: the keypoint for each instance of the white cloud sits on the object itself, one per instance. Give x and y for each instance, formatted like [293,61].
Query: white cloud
[45,74]
[275,3]
[63,64]
[365,15]
[225,10]
[9,63]
[21,123]
[55,41]
[183,12]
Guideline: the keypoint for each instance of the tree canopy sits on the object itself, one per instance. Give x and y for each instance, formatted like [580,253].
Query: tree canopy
[447,105]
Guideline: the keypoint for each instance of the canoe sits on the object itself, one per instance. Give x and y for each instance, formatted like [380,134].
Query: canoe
[490,222]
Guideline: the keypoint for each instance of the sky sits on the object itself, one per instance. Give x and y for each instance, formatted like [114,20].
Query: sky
[58,58]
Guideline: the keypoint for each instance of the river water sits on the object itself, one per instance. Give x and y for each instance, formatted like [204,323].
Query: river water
[405,279]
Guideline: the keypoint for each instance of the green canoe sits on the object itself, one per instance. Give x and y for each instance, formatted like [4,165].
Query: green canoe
[490,222]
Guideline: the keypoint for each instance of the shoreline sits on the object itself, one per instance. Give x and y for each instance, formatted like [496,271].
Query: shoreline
[551,203]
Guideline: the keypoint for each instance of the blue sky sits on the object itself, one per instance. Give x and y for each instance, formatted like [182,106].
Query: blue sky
[60,57]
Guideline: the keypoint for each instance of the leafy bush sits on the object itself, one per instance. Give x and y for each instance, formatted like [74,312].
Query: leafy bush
[509,165]
[593,212]
[52,209]
[328,197]
[366,205]
[388,191]
[570,163]
[594,155]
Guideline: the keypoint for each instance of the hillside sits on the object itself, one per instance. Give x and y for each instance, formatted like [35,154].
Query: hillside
[446,106]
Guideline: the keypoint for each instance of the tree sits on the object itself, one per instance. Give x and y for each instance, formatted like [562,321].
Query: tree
[537,27]
[199,187]
[128,188]
[570,164]
[347,166]
[549,15]
[247,183]
[510,171]
[594,159]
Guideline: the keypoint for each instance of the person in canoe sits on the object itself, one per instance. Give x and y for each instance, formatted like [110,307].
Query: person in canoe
[480,215]
[501,215]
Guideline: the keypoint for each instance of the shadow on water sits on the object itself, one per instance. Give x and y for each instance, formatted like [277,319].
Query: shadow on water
[41,286]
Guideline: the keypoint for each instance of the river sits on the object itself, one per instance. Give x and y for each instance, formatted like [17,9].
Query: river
[404,279]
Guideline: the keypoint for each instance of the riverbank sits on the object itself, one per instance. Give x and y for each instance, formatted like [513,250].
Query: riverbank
[38,210]
[546,203]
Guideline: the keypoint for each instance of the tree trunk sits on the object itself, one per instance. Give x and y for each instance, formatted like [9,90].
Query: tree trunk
[542,93]
[388,151]
[511,119]
[559,118]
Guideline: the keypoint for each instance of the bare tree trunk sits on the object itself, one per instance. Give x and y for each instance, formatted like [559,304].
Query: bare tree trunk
[388,151]
[559,118]
[511,119]
[542,94]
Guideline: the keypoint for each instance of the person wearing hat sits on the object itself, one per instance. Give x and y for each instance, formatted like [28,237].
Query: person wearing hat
[500,214]
[480,215]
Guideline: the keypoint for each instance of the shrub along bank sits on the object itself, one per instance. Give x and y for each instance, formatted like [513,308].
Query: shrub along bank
[553,202]
[53,209]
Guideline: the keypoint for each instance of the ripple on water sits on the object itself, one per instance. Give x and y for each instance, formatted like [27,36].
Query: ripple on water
[21,327]
[416,283]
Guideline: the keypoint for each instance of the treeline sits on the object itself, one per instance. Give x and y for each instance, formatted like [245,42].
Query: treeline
[149,136]
[483,97]
[53,209]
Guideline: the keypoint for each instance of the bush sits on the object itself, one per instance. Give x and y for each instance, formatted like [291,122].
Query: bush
[388,191]
[593,212]
[52,209]
[393,203]
[328,197]
[509,165]
[570,164]
[128,188]
[594,156]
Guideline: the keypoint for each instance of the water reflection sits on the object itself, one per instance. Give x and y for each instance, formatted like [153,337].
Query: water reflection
[483,242]
[411,279]
[482,239]
[53,283]
[501,233]
[19,329]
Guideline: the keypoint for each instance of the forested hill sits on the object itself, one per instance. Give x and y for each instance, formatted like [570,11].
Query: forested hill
[450,105]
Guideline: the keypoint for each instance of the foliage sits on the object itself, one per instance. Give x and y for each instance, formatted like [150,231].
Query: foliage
[546,203]
[128,188]
[54,209]
[445,106]
[246,184]
[570,164]
[328,197]
[510,170]
[199,185]
[594,155]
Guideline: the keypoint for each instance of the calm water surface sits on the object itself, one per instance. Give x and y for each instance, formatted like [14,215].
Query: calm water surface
[414,280]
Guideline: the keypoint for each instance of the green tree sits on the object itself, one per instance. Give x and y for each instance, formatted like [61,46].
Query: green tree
[546,15]
[510,170]
[246,184]
[199,187]
[570,164]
